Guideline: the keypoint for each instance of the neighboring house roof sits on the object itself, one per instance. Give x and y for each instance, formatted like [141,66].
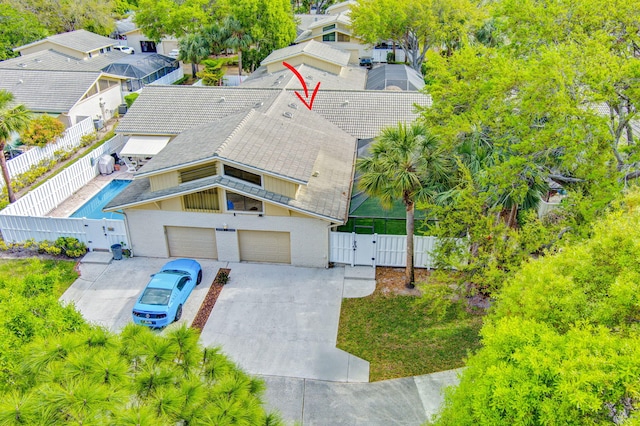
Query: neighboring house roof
[173,109]
[291,143]
[40,90]
[305,34]
[50,60]
[80,40]
[313,49]
[351,77]
[169,110]
[342,18]
[340,5]
[394,77]
[125,26]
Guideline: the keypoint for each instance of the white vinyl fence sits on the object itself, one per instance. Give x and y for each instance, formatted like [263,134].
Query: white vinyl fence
[170,78]
[69,140]
[24,219]
[379,250]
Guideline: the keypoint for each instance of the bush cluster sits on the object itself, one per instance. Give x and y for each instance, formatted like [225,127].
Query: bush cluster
[67,246]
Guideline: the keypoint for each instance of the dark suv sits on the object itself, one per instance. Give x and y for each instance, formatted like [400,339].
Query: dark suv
[367,61]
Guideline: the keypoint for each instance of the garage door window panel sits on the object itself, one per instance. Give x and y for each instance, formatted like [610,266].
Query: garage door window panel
[243,175]
[237,202]
[204,201]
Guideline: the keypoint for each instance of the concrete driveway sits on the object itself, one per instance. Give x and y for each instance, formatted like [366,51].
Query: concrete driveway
[105,293]
[273,320]
[280,320]
[280,323]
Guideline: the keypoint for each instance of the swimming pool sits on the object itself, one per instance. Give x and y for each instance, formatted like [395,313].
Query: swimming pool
[92,209]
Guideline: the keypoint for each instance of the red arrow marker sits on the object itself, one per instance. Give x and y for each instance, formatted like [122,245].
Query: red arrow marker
[304,86]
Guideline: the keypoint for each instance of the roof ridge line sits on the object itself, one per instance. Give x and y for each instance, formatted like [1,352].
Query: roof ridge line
[242,122]
[273,104]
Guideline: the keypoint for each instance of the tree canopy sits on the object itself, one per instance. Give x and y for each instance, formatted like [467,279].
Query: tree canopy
[562,344]
[67,15]
[18,28]
[416,25]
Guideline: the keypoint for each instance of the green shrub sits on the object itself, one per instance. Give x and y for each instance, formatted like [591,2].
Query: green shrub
[391,57]
[71,247]
[130,99]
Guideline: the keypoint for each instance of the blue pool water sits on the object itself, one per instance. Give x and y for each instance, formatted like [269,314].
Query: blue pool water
[92,209]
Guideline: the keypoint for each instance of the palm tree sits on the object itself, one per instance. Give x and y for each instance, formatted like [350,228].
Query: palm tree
[237,38]
[193,48]
[406,163]
[12,119]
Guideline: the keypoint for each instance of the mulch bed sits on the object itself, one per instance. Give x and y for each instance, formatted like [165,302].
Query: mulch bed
[391,281]
[209,301]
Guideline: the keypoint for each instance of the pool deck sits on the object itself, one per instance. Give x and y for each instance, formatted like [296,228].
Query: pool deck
[84,194]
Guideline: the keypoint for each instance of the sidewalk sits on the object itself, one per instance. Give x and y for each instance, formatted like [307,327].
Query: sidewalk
[409,401]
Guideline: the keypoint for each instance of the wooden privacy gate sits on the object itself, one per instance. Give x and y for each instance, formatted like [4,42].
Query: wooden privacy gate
[379,250]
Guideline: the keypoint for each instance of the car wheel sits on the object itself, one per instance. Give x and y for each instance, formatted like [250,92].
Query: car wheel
[178,313]
[199,279]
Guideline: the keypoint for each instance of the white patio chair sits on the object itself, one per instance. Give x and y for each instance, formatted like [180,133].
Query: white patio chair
[131,164]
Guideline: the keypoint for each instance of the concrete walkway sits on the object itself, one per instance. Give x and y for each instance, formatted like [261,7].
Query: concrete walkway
[408,401]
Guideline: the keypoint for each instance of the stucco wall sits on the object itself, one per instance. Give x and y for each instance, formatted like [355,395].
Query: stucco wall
[309,237]
[112,97]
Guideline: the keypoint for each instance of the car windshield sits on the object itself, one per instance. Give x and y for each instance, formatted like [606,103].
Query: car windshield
[156,296]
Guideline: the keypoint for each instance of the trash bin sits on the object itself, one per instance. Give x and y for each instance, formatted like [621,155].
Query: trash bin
[122,109]
[116,249]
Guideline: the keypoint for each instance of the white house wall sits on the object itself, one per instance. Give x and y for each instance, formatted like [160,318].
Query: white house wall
[309,237]
[112,97]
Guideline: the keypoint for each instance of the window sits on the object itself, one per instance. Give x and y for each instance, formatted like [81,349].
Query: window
[329,37]
[328,27]
[198,173]
[237,202]
[182,282]
[243,175]
[203,201]
[101,50]
[108,49]
[343,37]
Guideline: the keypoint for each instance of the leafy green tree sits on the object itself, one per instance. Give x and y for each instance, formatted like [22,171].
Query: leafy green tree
[416,25]
[162,18]
[193,48]
[561,345]
[238,38]
[42,130]
[269,23]
[18,28]
[213,72]
[69,15]
[13,119]
[405,163]
[137,377]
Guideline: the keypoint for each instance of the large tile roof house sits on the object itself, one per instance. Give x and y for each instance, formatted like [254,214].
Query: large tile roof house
[249,173]
[77,75]
[81,44]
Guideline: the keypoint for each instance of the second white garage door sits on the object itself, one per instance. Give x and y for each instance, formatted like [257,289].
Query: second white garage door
[192,242]
[265,246]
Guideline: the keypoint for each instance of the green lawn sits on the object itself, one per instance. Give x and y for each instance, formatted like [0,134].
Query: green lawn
[63,270]
[399,338]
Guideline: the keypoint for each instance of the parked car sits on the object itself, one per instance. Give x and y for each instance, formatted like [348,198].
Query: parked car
[162,300]
[366,61]
[125,49]
[174,53]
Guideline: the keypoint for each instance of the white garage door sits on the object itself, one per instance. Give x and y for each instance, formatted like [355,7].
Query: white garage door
[192,242]
[265,246]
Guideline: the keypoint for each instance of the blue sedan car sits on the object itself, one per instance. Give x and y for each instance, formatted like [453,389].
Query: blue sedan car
[161,302]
